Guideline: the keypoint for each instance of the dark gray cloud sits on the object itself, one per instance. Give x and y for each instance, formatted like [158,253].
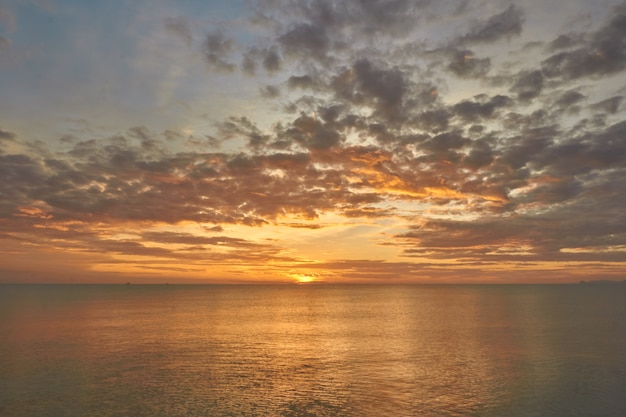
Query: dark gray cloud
[379,88]
[528,85]
[305,40]
[464,64]
[502,25]
[367,18]
[482,108]
[270,91]
[190,239]
[610,105]
[569,99]
[302,81]
[445,142]
[581,154]
[480,155]
[565,42]
[313,134]
[253,57]
[217,50]
[602,52]
[271,60]
[386,86]
[242,127]
[22,177]
[433,120]
[545,236]
[6,135]
[248,63]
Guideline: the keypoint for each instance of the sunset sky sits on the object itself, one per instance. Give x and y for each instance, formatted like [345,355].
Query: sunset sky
[289,141]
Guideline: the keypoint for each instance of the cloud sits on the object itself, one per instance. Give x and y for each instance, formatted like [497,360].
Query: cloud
[602,52]
[474,143]
[535,238]
[301,81]
[385,86]
[503,25]
[217,50]
[433,120]
[369,85]
[480,155]
[6,135]
[304,40]
[248,63]
[580,155]
[484,108]
[180,27]
[528,84]
[23,177]
[610,105]
[360,19]
[568,99]
[271,60]
[189,239]
[313,134]
[270,91]
[565,41]
[464,64]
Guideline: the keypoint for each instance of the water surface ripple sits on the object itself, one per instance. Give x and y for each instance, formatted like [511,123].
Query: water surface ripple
[312,350]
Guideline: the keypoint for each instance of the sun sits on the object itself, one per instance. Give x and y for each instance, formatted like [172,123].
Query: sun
[304,278]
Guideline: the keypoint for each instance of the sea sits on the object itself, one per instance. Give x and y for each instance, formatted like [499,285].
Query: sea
[312,350]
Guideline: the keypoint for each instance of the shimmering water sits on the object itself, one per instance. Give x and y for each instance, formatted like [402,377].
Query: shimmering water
[312,350]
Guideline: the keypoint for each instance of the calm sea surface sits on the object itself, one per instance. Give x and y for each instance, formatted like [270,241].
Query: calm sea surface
[69,350]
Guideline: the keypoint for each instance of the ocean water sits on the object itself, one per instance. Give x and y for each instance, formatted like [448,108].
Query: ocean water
[312,350]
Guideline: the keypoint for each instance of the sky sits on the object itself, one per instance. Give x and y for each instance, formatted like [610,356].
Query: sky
[361,141]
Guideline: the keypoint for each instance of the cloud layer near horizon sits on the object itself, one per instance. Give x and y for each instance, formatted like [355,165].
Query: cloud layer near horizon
[395,141]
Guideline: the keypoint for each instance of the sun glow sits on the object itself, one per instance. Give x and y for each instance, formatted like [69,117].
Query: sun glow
[304,278]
